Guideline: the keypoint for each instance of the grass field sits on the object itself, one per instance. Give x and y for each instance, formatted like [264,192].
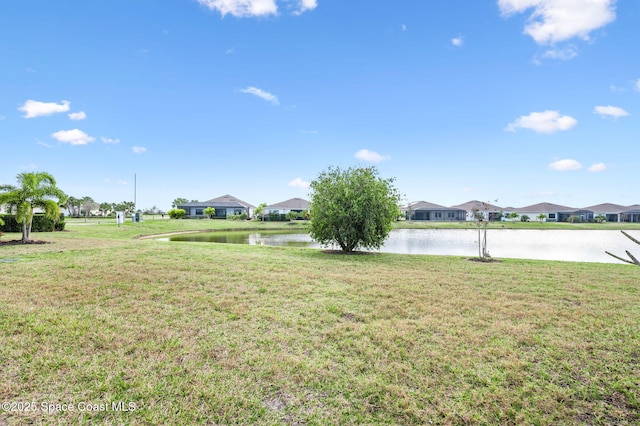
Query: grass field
[189,333]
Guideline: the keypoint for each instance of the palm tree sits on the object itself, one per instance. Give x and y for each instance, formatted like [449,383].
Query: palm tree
[34,190]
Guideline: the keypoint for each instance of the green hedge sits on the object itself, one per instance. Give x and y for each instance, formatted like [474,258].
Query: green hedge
[40,224]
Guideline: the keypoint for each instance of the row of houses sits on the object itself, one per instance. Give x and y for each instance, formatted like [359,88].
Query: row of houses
[545,212]
[228,205]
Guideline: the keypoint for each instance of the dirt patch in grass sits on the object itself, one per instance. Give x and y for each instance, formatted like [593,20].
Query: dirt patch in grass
[20,242]
[485,260]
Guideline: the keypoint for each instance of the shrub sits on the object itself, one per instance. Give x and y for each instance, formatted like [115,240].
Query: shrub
[40,224]
[177,213]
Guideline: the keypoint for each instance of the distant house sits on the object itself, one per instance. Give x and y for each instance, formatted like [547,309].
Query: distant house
[631,214]
[555,212]
[422,210]
[280,210]
[489,211]
[225,206]
[611,212]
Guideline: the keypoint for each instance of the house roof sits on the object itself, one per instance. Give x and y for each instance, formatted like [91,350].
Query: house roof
[606,208]
[423,205]
[546,208]
[634,208]
[292,204]
[477,205]
[221,202]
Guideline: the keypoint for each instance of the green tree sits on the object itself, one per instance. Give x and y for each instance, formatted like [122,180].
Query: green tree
[542,217]
[293,215]
[178,201]
[513,215]
[258,212]
[524,218]
[104,208]
[73,206]
[34,190]
[210,211]
[353,208]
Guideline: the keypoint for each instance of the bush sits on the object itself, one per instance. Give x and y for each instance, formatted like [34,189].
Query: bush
[353,208]
[524,218]
[177,213]
[40,224]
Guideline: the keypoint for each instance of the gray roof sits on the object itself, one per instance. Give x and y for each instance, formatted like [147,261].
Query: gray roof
[634,208]
[546,208]
[606,208]
[477,205]
[292,204]
[423,205]
[226,201]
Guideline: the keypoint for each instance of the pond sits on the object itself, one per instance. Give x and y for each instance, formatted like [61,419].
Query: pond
[565,245]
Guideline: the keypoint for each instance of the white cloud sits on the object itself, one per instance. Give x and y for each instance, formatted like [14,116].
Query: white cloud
[610,111]
[469,189]
[242,8]
[299,183]
[72,137]
[33,108]
[567,164]
[250,8]
[2,117]
[109,140]
[39,142]
[122,182]
[261,94]
[404,27]
[306,5]
[598,167]
[615,88]
[457,41]
[370,156]
[77,115]
[637,85]
[543,122]
[552,21]
[138,149]
[565,54]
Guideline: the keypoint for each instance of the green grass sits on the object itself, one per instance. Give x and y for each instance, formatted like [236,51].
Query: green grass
[229,334]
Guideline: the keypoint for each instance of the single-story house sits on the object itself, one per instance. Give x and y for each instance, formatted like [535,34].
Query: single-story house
[422,210]
[552,212]
[281,209]
[225,206]
[611,212]
[631,214]
[473,207]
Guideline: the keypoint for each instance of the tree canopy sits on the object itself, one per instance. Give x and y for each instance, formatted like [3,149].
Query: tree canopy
[34,190]
[353,208]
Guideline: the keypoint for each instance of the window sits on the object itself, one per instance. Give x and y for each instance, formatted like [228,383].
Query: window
[199,212]
[438,214]
[552,215]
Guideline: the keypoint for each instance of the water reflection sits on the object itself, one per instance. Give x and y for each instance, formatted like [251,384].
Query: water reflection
[566,245]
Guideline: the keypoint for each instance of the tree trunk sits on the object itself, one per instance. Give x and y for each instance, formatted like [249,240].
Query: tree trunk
[26,233]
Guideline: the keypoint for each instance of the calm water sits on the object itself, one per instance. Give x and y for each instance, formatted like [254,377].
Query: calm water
[566,245]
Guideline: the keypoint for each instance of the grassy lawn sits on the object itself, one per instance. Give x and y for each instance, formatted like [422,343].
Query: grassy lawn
[204,333]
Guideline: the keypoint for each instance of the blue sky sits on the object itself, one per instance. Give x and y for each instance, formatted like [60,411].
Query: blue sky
[522,101]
